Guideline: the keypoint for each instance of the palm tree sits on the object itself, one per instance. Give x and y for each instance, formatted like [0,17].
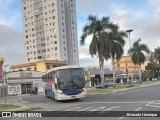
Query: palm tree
[156,55]
[98,46]
[137,53]
[117,42]
[105,35]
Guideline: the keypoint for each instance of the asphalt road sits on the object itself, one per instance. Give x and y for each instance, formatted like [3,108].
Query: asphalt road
[141,99]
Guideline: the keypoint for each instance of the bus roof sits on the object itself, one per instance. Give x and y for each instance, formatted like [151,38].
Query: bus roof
[63,67]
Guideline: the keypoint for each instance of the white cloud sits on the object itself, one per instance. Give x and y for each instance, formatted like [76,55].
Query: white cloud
[11,45]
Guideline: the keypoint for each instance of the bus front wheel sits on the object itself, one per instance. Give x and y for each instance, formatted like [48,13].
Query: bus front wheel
[54,97]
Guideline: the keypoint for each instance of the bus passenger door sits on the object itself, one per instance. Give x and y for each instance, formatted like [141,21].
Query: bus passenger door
[55,89]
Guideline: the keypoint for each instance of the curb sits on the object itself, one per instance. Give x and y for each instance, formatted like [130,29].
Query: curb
[122,90]
[25,108]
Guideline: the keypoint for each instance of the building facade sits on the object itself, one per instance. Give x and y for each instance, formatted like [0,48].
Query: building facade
[41,66]
[50,30]
[127,66]
[22,82]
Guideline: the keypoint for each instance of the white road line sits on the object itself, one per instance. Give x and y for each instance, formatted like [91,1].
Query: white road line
[138,109]
[125,102]
[153,106]
[76,108]
[120,118]
[111,108]
[149,103]
[98,109]
[84,109]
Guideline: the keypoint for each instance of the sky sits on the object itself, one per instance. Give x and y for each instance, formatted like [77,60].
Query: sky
[142,16]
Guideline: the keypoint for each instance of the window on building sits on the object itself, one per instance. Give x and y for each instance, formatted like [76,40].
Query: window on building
[53,10]
[46,19]
[118,65]
[55,42]
[39,57]
[55,48]
[48,67]
[35,68]
[54,30]
[28,68]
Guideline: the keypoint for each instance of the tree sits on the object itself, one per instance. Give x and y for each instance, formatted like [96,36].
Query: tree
[106,41]
[137,53]
[155,56]
[116,44]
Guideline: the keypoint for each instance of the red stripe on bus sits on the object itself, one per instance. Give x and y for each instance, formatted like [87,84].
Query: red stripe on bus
[50,82]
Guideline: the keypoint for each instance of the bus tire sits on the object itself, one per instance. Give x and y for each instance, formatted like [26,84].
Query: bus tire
[54,98]
[77,99]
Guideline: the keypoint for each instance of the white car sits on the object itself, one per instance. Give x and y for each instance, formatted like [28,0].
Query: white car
[135,81]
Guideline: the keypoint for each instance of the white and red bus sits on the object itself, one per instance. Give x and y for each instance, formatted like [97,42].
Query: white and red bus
[65,83]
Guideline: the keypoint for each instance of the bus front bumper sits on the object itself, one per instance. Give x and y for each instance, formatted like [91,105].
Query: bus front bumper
[70,97]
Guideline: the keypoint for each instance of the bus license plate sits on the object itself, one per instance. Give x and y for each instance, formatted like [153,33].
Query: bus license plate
[73,96]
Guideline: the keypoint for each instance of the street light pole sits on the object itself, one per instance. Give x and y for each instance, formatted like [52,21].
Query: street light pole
[5,81]
[129,32]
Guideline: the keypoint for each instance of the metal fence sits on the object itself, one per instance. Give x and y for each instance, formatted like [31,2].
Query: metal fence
[2,91]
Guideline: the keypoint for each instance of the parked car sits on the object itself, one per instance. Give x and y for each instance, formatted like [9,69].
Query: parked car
[135,81]
[129,82]
[98,86]
[109,84]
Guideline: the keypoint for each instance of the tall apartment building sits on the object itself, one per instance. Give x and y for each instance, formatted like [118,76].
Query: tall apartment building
[50,30]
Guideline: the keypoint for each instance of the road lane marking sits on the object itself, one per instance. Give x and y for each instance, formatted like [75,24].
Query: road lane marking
[152,104]
[83,109]
[98,109]
[111,108]
[138,109]
[125,102]
[73,109]
[120,118]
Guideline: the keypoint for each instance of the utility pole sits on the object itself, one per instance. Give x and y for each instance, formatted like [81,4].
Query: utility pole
[129,32]
[5,82]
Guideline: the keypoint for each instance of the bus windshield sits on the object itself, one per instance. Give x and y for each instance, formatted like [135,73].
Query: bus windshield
[70,79]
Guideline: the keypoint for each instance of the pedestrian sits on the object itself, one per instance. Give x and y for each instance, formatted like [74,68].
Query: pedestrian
[36,90]
[32,91]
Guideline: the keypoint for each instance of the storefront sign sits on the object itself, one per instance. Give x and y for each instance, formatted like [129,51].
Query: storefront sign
[25,74]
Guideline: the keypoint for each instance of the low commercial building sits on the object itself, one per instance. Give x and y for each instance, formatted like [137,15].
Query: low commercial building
[95,76]
[41,66]
[127,66]
[21,82]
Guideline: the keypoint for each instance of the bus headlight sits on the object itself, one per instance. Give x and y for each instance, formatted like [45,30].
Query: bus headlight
[60,92]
